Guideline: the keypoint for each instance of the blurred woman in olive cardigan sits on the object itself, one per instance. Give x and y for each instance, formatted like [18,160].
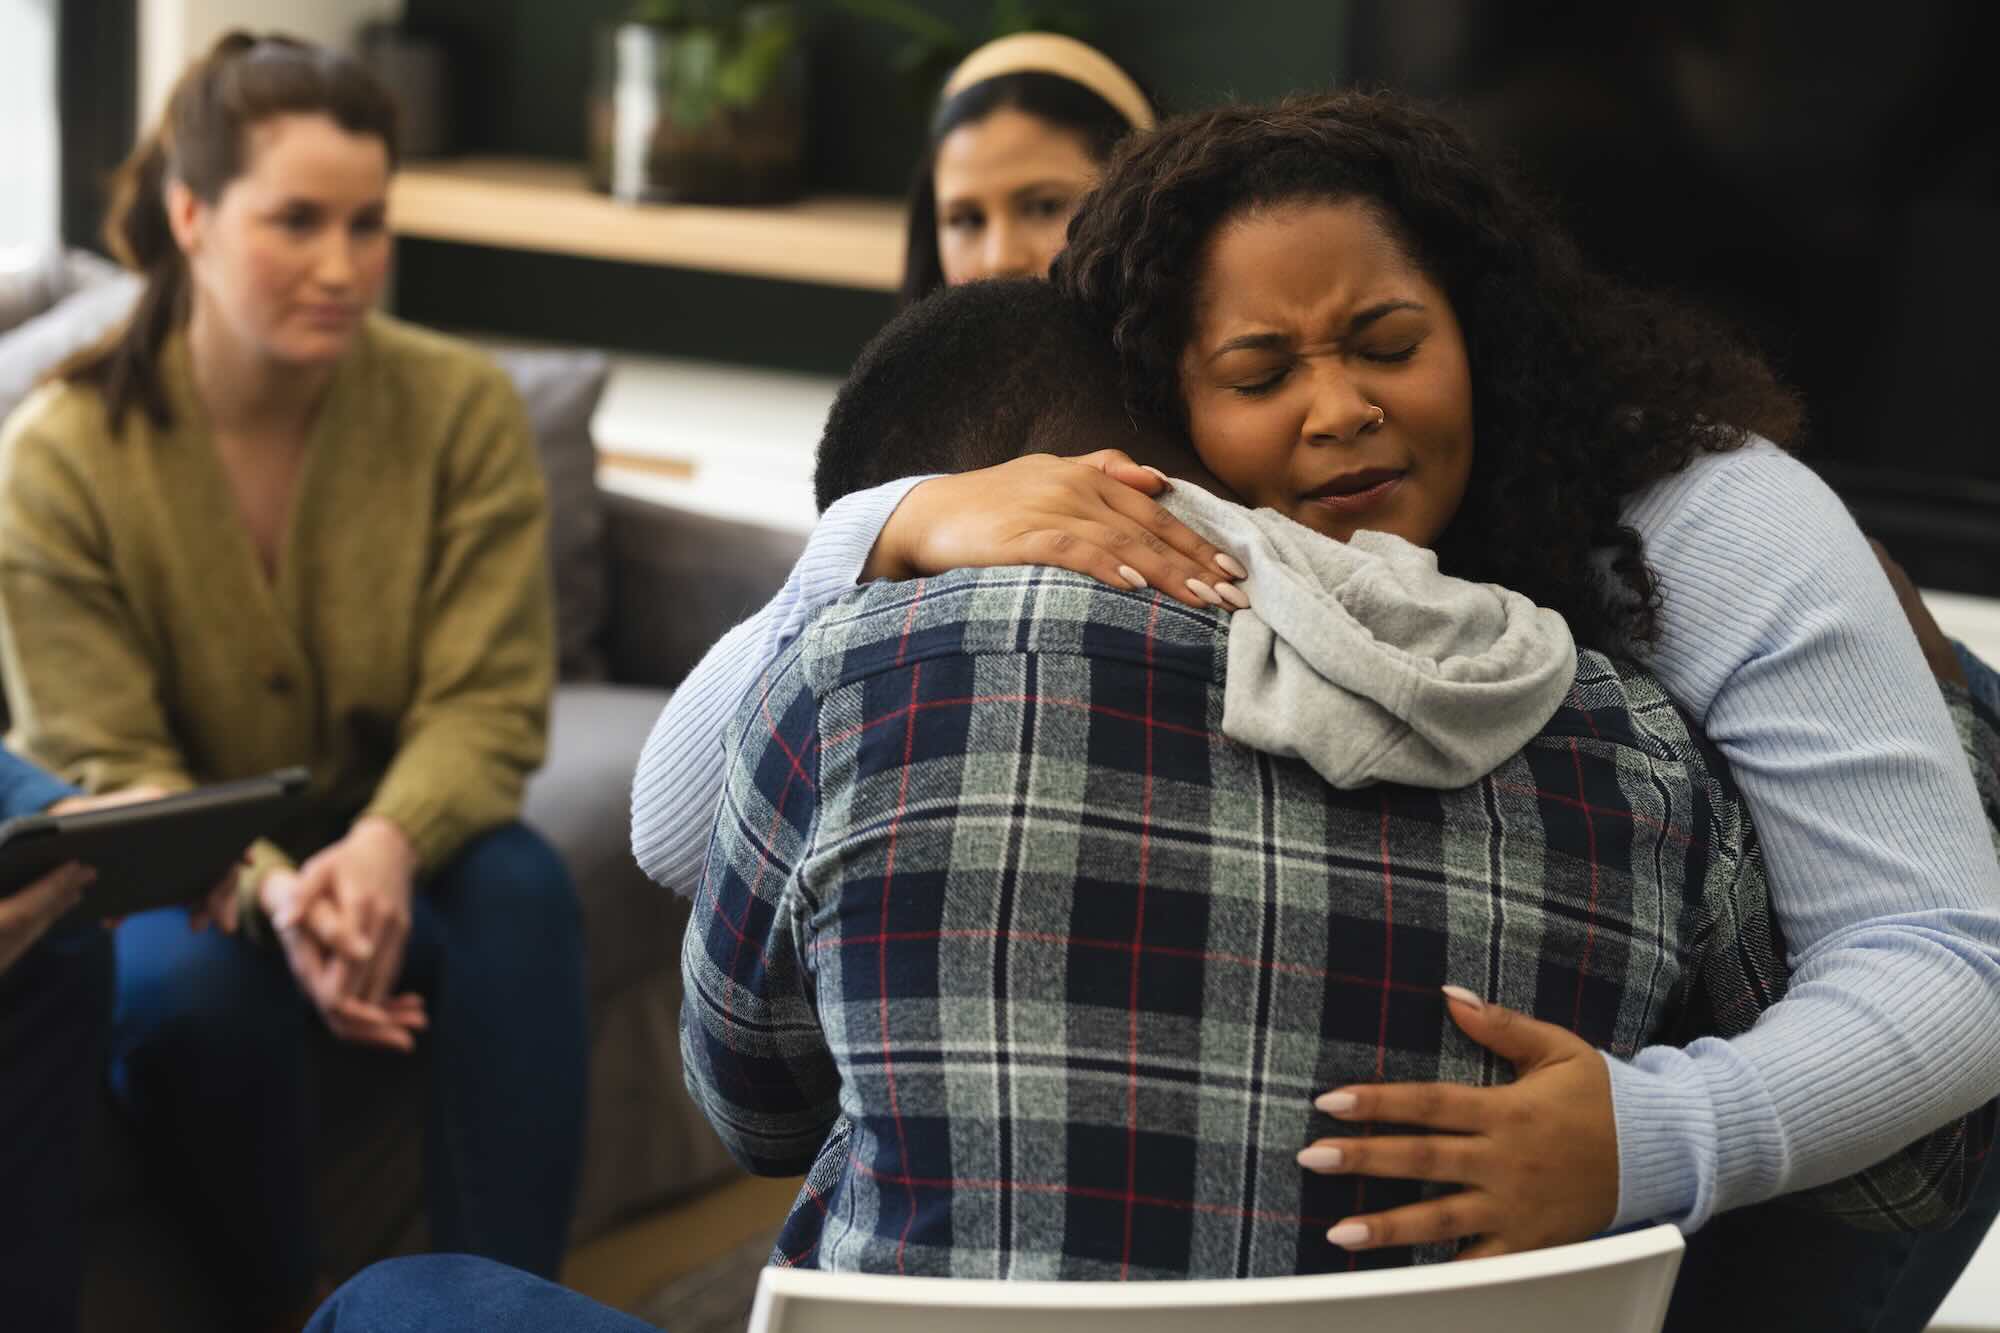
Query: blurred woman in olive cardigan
[266,526]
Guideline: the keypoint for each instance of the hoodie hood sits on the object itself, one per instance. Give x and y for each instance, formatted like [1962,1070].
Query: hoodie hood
[1360,658]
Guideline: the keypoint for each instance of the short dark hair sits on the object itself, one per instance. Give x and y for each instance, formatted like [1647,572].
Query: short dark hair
[969,377]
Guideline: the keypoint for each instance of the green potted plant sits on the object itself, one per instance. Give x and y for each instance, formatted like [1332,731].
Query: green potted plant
[700,102]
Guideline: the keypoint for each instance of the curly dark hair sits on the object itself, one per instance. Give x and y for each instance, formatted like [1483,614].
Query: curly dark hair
[1583,391]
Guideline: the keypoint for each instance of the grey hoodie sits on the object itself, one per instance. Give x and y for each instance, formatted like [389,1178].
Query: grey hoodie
[1363,660]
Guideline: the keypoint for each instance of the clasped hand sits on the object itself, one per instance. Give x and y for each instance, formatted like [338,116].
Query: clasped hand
[1538,1157]
[343,919]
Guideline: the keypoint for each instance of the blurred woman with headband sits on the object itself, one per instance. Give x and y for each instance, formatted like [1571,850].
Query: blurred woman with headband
[1023,129]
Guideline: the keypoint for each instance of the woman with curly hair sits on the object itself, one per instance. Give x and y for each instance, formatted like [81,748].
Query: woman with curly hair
[1358,320]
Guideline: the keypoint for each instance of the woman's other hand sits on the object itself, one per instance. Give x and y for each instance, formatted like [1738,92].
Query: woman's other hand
[27,915]
[1538,1157]
[1091,514]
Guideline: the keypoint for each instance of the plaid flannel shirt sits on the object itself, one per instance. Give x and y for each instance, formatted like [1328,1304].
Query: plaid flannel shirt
[1034,973]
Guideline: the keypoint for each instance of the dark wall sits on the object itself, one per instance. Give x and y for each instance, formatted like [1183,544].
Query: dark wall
[526,73]
[1826,176]
[530,64]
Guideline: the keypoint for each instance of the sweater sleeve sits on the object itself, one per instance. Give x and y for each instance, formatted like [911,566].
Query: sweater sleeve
[82,680]
[1885,882]
[478,722]
[679,782]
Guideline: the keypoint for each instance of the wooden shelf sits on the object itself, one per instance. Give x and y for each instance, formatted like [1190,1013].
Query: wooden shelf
[529,205]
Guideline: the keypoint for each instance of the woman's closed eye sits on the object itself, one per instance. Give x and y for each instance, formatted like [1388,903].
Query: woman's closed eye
[1045,207]
[969,219]
[1393,355]
[1258,385]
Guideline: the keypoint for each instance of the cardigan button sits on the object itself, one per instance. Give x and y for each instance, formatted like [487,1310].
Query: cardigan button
[278,683]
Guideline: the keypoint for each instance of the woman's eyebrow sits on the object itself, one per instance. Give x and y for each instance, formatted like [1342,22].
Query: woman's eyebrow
[1049,185]
[1252,342]
[1274,342]
[1375,312]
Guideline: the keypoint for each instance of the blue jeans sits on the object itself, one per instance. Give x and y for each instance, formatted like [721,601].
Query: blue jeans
[55,1013]
[449,1292]
[209,1056]
[1773,1267]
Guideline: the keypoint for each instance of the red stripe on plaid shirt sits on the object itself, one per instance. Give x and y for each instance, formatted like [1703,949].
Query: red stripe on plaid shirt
[882,954]
[1138,954]
[740,929]
[1129,1197]
[1685,839]
[1043,701]
[1590,930]
[903,644]
[1061,941]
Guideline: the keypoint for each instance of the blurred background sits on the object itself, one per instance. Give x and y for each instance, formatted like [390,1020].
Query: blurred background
[1827,176]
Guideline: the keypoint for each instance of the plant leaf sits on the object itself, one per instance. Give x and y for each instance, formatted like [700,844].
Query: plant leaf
[911,18]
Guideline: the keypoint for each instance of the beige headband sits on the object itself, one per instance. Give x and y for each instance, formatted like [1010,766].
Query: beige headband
[1064,57]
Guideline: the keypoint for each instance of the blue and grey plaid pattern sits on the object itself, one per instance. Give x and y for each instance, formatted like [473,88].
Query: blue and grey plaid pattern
[1035,974]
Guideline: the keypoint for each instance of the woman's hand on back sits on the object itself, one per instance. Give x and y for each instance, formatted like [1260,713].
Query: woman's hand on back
[1538,1157]
[1091,514]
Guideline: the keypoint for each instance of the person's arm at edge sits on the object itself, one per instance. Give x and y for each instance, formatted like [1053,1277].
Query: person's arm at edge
[753,1053]
[26,789]
[678,785]
[1881,866]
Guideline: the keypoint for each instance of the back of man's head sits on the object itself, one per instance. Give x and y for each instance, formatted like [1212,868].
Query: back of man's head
[969,377]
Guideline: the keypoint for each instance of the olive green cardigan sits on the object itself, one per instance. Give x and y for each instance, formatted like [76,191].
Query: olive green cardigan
[404,652]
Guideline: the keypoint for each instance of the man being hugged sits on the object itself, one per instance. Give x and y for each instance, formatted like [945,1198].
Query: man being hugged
[1032,927]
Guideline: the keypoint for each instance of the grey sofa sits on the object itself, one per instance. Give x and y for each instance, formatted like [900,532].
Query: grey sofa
[676,582]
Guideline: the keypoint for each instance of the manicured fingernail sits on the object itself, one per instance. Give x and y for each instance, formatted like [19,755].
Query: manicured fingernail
[1463,996]
[1203,591]
[1132,576]
[1231,566]
[1161,475]
[1349,1234]
[1233,595]
[1320,1158]
[1336,1103]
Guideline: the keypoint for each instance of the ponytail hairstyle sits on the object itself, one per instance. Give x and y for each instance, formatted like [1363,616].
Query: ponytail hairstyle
[201,141]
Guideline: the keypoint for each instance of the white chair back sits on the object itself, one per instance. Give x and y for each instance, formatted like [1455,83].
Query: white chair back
[1618,1284]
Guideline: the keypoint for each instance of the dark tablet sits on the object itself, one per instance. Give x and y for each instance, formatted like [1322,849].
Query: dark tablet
[164,853]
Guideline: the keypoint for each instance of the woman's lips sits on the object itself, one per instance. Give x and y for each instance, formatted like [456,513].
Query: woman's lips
[1355,502]
[330,316]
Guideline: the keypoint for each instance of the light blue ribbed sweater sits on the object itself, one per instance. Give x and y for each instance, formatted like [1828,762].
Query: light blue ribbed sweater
[1781,636]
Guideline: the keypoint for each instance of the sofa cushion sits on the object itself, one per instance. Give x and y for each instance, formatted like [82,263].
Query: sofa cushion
[581,801]
[46,340]
[561,389]
[32,281]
